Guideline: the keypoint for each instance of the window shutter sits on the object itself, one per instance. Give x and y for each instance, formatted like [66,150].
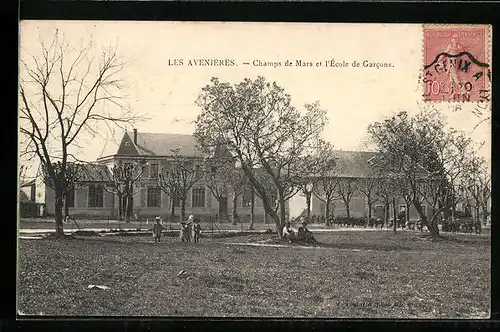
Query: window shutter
[107,199]
[143,197]
[208,197]
[81,197]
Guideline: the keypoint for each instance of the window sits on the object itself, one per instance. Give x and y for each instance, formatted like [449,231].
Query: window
[424,209]
[246,200]
[96,196]
[198,197]
[70,198]
[153,171]
[154,197]
[402,208]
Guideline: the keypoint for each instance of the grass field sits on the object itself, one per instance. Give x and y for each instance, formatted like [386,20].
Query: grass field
[352,274]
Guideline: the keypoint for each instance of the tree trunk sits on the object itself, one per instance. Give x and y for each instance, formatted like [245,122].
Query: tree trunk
[252,210]
[407,212]
[172,210]
[66,207]
[127,203]
[183,208]
[431,226]
[386,211]
[59,212]
[282,216]
[485,215]
[308,206]
[327,212]
[234,215]
[369,203]
[453,210]
[219,218]
[120,206]
[347,209]
[394,214]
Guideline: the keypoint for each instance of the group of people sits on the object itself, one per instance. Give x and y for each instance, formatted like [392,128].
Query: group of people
[190,230]
[298,235]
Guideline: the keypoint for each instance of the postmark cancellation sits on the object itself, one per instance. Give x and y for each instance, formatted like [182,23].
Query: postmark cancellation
[457,63]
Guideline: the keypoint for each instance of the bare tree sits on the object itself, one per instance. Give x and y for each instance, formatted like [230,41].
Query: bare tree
[322,162]
[179,177]
[346,189]
[427,154]
[326,185]
[218,178]
[367,187]
[261,128]
[476,186]
[74,174]
[123,180]
[63,94]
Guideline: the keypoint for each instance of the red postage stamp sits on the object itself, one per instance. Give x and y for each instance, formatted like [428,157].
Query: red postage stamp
[457,63]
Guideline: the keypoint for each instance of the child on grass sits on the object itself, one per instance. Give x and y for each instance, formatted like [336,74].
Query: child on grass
[196,231]
[157,228]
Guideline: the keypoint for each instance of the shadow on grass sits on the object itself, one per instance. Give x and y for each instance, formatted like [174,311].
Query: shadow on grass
[338,245]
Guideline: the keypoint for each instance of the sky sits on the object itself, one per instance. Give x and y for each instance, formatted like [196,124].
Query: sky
[354,97]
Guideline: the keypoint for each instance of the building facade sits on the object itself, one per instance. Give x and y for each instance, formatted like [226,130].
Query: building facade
[355,168]
[92,197]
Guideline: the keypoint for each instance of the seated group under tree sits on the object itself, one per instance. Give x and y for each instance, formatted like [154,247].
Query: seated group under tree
[301,235]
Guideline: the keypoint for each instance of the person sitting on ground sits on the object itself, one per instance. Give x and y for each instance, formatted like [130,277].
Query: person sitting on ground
[288,232]
[304,234]
[196,231]
[157,228]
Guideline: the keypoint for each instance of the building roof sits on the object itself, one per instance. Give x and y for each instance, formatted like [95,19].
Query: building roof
[154,144]
[354,164]
[165,144]
[93,173]
[349,163]
[28,183]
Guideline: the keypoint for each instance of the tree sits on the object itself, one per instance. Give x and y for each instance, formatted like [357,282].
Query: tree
[63,94]
[346,189]
[179,177]
[123,179]
[426,153]
[257,122]
[476,186]
[326,184]
[69,179]
[323,163]
[252,207]
[219,179]
[367,187]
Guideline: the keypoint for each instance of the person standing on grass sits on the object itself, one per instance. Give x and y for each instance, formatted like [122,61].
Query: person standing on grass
[157,228]
[196,231]
[189,229]
[186,229]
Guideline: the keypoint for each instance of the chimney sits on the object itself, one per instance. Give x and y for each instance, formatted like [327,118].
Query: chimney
[135,136]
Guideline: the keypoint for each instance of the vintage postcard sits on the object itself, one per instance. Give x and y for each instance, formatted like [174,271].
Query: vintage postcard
[217,169]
